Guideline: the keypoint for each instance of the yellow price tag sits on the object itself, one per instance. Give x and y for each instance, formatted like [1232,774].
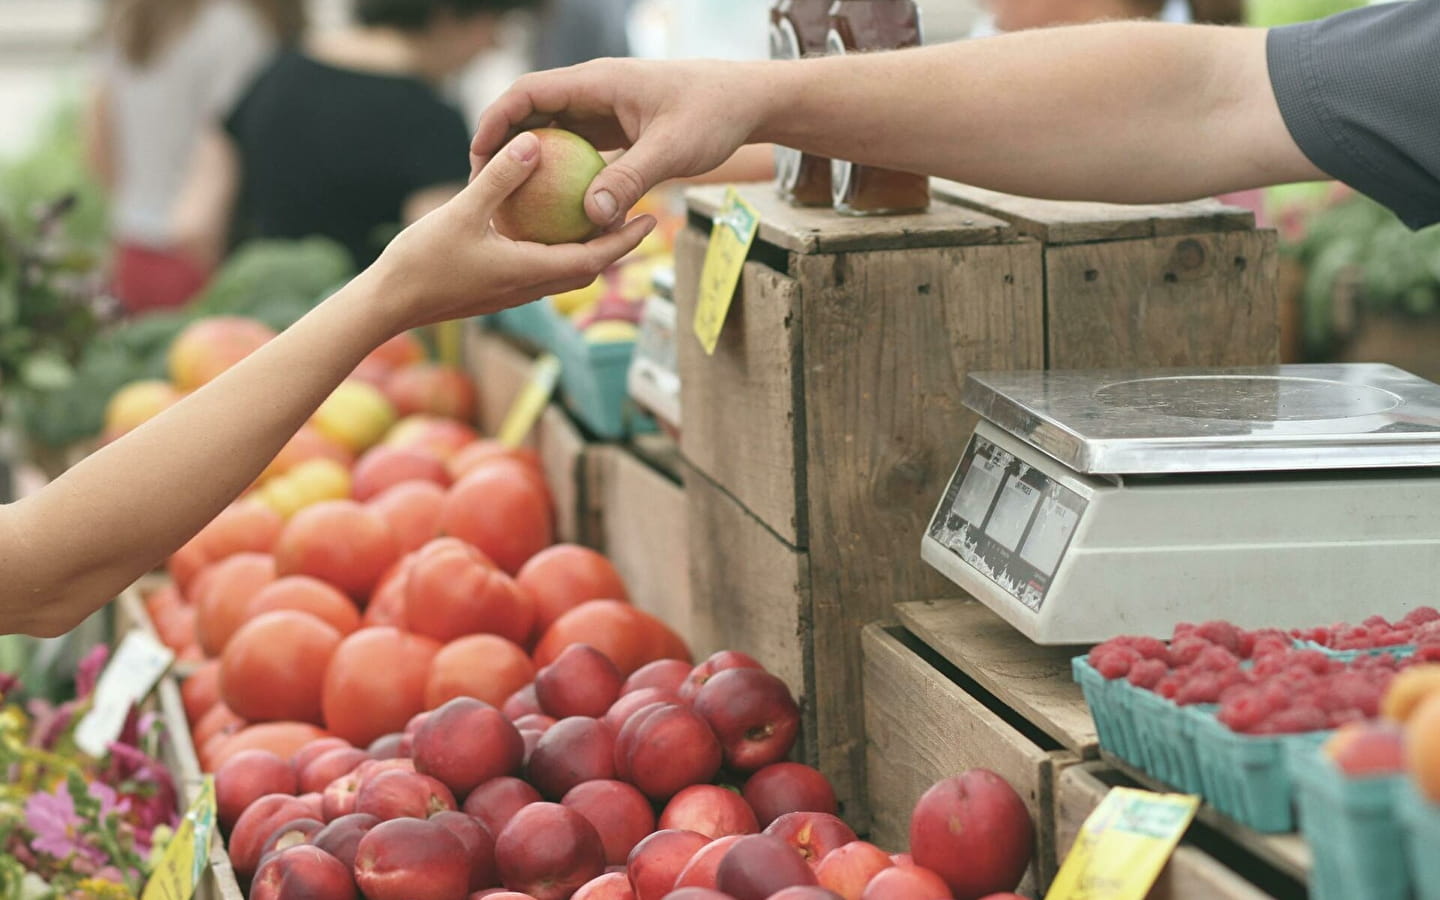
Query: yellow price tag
[1123,846]
[530,402]
[185,857]
[730,241]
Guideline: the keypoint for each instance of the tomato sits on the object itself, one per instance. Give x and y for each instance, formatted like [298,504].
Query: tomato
[246,526]
[501,511]
[223,593]
[387,603]
[484,666]
[376,682]
[201,691]
[630,637]
[273,669]
[306,594]
[412,510]
[219,721]
[338,541]
[284,739]
[452,591]
[564,576]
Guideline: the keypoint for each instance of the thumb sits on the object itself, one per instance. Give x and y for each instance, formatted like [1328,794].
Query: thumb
[505,172]
[622,183]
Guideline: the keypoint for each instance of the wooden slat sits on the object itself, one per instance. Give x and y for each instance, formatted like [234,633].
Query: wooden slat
[742,427]
[922,727]
[749,589]
[562,449]
[1065,222]
[1191,873]
[643,528]
[888,340]
[824,231]
[1197,300]
[1036,681]
[499,370]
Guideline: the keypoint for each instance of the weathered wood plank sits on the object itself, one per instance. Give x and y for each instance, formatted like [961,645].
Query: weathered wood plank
[888,340]
[1035,681]
[499,370]
[1196,300]
[806,230]
[643,530]
[742,427]
[1067,222]
[1191,873]
[922,727]
[562,449]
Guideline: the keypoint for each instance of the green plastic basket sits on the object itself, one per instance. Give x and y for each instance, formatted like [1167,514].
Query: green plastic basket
[1353,829]
[1247,777]
[1110,705]
[594,382]
[1420,822]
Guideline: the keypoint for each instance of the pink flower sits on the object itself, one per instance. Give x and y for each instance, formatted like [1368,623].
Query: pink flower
[52,819]
[9,682]
[87,673]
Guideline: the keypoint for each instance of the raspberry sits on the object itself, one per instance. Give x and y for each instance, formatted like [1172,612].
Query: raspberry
[1100,650]
[1186,650]
[1376,622]
[1421,615]
[1269,646]
[1169,686]
[1237,689]
[1147,673]
[1427,653]
[1313,660]
[1116,662]
[1203,687]
[1270,664]
[1183,629]
[1216,659]
[1345,717]
[1223,633]
[1231,677]
[1244,710]
[1297,720]
[1151,648]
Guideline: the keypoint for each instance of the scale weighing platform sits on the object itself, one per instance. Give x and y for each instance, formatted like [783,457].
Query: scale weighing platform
[1091,504]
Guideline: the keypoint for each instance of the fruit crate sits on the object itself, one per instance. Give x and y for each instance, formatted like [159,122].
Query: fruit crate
[532,322]
[1399,651]
[1353,829]
[1420,823]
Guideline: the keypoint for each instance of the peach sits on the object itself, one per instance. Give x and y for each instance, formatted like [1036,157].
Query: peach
[564,576]
[497,801]
[657,861]
[752,714]
[396,795]
[210,345]
[245,526]
[443,437]
[221,594]
[906,883]
[581,681]
[813,835]
[521,703]
[479,847]
[325,768]
[484,666]
[621,710]
[465,743]
[200,691]
[549,207]
[423,388]
[670,748]
[340,542]
[412,859]
[662,674]
[292,834]
[847,869]
[381,468]
[610,886]
[573,751]
[341,837]
[786,787]
[302,871]
[710,810]
[619,812]
[548,851]
[974,832]
[273,667]
[257,823]
[1408,689]
[760,865]
[716,663]
[506,514]
[412,510]
[701,870]
[453,590]
[245,778]
[1367,748]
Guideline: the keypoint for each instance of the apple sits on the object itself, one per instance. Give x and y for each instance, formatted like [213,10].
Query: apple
[813,835]
[701,870]
[496,801]
[549,207]
[581,681]
[341,838]
[412,859]
[466,743]
[664,674]
[711,810]
[573,751]
[760,865]
[479,847]
[548,851]
[657,861]
[396,795]
[786,787]
[847,869]
[752,714]
[974,832]
[906,883]
[670,748]
[246,777]
[712,666]
[302,871]
[619,812]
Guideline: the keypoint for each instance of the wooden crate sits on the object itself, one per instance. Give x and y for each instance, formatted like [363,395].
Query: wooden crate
[641,524]
[829,417]
[1193,873]
[925,722]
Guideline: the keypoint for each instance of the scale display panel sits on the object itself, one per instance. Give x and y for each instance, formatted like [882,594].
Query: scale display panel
[1007,519]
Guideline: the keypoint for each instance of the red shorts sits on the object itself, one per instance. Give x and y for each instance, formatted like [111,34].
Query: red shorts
[146,278]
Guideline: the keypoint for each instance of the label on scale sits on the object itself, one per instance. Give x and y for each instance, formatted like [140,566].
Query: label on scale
[1008,520]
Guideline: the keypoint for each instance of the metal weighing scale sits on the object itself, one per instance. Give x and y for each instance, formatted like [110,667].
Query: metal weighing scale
[1091,504]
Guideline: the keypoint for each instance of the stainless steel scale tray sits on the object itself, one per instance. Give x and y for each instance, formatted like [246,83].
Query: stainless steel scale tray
[1180,421]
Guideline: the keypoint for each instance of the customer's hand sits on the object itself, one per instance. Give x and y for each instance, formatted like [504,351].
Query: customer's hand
[672,119]
[453,264]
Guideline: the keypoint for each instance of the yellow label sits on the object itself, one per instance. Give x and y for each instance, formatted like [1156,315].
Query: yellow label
[184,859]
[1122,847]
[530,402]
[730,241]
[449,336]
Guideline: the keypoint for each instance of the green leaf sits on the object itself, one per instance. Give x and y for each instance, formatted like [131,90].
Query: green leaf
[46,371]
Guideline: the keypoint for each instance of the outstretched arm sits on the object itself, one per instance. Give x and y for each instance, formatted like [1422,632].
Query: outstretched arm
[68,549]
[1120,112]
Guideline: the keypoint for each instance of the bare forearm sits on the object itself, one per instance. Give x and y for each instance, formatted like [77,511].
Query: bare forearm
[1121,112]
[127,506]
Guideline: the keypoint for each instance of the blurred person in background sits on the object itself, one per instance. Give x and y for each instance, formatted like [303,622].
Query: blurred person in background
[347,137]
[167,68]
[576,31]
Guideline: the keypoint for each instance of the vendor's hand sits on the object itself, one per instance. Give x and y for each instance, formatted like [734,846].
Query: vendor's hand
[453,264]
[672,119]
